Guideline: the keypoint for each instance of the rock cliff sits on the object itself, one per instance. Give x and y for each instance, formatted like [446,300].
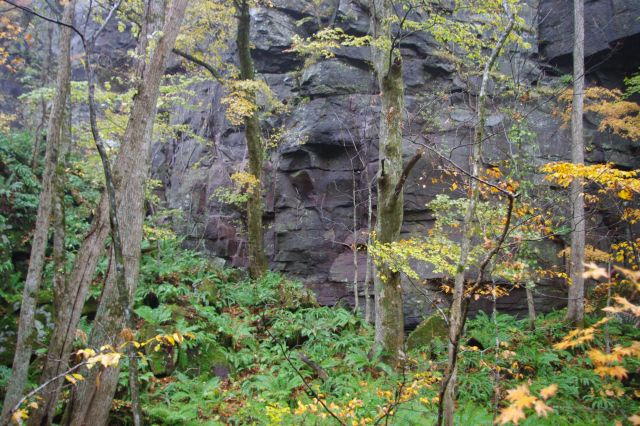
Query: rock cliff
[329,149]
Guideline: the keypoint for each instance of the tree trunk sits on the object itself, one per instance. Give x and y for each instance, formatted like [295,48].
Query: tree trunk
[26,327]
[389,322]
[43,415]
[91,399]
[575,308]
[44,80]
[458,313]
[531,309]
[369,262]
[255,237]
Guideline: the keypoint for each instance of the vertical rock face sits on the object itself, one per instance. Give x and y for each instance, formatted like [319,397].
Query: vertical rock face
[330,139]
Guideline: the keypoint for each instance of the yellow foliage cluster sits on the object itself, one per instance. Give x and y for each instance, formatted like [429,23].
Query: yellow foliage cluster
[106,356]
[248,97]
[245,181]
[591,254]
[609,363]
[348,412]
[324,43]
[579,336]
[631,215]
[624,183]
[620,116]
[626,252]
[10,31]
[520,399]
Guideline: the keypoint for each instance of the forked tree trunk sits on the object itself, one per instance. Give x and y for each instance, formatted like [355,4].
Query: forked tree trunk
[91,399]
[575,306]
[255,237]
[23,351]
[389,321]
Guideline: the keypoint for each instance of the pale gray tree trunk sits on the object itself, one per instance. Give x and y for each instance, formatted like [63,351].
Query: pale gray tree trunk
[23,351]
[575,306]
[369,262]
[389,321]
[91,399]
[531,308]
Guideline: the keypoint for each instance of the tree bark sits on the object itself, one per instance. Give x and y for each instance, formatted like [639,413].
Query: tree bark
[389,321]
[369,265]
[575,306]
[255,237]
[43,415]
[23,352]
[91,399]
[531,309]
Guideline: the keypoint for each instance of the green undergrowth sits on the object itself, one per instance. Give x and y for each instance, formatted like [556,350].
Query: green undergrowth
[243,363]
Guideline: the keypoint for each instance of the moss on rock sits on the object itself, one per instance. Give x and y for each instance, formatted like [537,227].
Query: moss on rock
[431,328]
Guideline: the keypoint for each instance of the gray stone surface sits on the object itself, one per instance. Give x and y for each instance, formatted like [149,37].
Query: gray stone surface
[606,23]
[332,117]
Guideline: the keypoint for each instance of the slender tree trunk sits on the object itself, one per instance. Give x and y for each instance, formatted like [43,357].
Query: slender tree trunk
[575,308]
[91,399]
[458,313]
[44,80]
[255,237]
[531,309]
[369,265]
[68,315]
[389,323]
[26,327]
[43,415]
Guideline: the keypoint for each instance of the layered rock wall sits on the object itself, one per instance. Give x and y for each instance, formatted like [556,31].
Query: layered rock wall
[330,143]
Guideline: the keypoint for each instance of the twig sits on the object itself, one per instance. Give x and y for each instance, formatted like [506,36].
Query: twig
[44,385]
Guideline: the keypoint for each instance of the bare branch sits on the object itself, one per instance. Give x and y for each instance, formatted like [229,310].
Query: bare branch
[189,57]
[405,172]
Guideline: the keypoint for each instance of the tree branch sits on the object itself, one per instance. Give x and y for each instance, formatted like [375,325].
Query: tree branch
[321,372]
[189,57]
[46,18]
[407,169]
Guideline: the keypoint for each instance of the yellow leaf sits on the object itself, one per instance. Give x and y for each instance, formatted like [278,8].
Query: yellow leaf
[549,391]
[616,371]
[33,405]
[520,397]
[510,414]
[635,420]
[625,194]
[70,379]
[593,271]
[19,415]
[542,409]
[78,376]
[86,353]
